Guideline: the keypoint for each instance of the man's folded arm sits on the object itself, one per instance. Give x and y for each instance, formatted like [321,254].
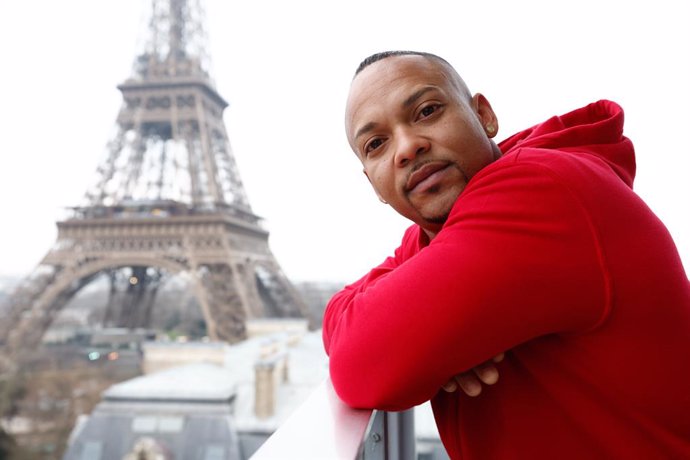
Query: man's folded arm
[339,302]
[517,259]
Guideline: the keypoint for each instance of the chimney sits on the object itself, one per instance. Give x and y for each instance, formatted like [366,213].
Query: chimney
[265,388]
[269,372]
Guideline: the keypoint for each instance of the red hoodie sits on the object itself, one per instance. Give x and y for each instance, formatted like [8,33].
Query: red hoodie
[550,255]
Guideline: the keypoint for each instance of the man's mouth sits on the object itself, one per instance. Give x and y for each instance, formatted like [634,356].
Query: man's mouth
[423,175]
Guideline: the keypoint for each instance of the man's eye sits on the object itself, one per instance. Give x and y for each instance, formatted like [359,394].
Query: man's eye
[428,111]
[373,145]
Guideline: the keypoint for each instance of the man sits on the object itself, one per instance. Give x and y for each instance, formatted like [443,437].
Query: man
[537,247]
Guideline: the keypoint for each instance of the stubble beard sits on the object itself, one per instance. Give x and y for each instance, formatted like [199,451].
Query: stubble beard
[438,219]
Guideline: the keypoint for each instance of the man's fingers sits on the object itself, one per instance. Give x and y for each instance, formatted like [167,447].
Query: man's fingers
[469,384]
[450,386]
[487,373]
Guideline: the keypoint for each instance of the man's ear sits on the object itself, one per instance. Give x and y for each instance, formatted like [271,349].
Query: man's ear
[486,114]
[372,186]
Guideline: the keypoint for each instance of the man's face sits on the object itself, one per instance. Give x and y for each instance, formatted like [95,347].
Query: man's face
[419,135]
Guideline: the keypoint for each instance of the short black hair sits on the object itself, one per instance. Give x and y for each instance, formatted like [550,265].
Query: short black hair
[386,54]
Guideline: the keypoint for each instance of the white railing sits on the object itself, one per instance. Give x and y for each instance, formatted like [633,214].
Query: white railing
[324,428]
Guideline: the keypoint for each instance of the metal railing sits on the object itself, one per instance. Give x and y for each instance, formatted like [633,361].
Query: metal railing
[324,428]
[389,436]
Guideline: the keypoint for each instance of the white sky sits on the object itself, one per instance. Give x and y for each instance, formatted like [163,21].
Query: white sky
[285,68]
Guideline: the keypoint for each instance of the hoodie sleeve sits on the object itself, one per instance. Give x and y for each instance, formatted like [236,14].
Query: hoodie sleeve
[339,303]
[518,258]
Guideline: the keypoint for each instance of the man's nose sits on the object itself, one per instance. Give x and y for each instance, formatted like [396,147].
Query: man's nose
[409,145]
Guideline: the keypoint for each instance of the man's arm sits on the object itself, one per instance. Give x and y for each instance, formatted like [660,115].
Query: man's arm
[405,251]
[469,382]
[517,259]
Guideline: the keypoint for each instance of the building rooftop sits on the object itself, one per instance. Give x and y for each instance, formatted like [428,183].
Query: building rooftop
[192,382]
[200,409]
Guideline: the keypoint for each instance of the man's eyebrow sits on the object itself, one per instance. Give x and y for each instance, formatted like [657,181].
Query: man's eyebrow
[365,129]
[416,95]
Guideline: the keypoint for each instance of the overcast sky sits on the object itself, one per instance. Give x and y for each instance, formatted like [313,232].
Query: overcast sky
[285,68]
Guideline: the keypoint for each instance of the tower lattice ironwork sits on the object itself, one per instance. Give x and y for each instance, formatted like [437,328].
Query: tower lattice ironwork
[167,199]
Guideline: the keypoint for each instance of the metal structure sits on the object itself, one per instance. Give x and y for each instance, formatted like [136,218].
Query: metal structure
[167,199]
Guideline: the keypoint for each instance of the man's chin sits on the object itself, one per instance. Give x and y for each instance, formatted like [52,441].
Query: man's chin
[436,220]
[436,215]
[436,208]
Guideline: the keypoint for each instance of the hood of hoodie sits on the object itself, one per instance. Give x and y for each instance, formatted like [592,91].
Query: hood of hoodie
[596,129]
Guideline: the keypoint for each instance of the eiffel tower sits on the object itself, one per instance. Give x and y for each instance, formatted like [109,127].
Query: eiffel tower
[168,199]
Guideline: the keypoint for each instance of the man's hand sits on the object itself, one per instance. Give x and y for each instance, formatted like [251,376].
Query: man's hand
[471,381]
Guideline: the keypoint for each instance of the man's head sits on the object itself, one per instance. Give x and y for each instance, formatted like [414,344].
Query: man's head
[419,133]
